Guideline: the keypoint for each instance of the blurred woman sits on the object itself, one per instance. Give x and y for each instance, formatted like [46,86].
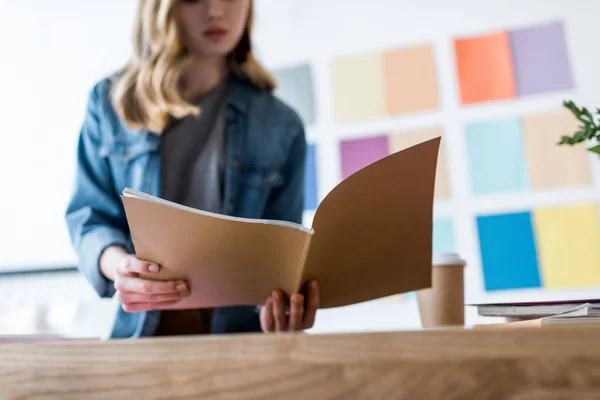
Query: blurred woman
[192,119]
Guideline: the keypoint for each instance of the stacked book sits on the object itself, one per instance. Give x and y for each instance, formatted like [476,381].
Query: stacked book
[544,314]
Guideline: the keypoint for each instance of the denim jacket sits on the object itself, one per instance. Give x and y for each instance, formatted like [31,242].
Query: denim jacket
[264,178]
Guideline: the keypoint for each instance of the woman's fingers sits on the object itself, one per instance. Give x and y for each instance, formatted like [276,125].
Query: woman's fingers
[301,315]
[296,312]
[279,311]
[312,305]
[133,266]
[130,284]
[267,320]
[140,307]
[130,298]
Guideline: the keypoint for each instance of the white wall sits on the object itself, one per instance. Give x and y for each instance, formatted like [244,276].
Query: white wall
[53,51]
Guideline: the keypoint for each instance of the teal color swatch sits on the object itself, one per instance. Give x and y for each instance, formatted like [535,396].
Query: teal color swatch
[443,236]
[496,156]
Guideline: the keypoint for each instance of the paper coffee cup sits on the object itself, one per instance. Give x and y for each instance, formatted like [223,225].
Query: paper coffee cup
[444,303]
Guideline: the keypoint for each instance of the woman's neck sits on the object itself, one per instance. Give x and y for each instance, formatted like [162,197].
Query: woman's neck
[204,74]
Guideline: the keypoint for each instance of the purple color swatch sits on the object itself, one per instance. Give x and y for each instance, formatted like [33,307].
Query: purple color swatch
[358,153]
[541,59]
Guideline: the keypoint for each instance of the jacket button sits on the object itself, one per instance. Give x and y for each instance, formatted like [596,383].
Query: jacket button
[235,164]
[231,207]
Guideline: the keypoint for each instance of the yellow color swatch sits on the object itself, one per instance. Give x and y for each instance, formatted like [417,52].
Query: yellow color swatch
[568,243]
[358,88]
[410,80]
[402,140]
[551,165]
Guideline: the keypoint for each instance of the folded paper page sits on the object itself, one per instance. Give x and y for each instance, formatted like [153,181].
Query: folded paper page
[373,232]
[402,140]
[226,261]
[372,238]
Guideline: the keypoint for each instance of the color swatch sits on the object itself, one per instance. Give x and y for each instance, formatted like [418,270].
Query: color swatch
[485,68]
[410,80]
[443,236]
[403,140]
[508,252]
[295,87]
[541,59]
[568,240]
[358,153]
[507,64]
[391,83]
[512,155]
[554,248]
[537,248]
[551,165]
[496,156]
[358,88]
[311,198]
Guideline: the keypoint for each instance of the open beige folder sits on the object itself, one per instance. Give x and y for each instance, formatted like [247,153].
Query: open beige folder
[371,238]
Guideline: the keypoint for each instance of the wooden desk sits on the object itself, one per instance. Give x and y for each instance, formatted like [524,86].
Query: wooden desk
[555,363]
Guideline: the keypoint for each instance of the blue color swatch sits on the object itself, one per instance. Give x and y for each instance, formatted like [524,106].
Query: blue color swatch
[311,198]
[508,252]
[443,236]
[496,155]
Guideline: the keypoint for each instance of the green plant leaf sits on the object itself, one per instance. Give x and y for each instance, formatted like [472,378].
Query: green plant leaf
[564,140]
[588,129]
[595,149]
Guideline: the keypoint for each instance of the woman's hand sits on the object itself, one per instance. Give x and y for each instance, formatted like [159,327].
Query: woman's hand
[302,311]
[138,294]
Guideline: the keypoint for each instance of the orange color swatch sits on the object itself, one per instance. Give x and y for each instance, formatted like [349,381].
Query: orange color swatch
[410,80]
[485,68]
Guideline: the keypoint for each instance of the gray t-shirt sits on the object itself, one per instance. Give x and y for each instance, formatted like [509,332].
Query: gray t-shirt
[193,155]
[192,173]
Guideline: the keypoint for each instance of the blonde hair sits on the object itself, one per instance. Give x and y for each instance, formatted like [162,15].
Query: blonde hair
[147,92]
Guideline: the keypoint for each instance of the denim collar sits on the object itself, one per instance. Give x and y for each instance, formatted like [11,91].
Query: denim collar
[238,97]
[238,94]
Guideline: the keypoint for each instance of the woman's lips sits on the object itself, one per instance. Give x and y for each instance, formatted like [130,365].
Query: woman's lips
[215,33]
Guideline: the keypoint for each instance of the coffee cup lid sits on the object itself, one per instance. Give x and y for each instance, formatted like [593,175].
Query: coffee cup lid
[441,259]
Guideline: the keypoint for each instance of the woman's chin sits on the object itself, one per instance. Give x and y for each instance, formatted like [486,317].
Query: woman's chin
[218,48]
